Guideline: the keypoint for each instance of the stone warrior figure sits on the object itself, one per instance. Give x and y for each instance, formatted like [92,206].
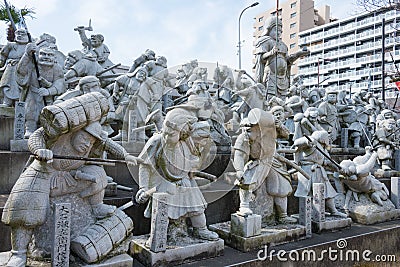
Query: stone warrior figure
[10,55]
[313,162]
[170,158]
[95,45]
[384,141]
[254,149]
[273,63]
[356,175]
[27,205]
[40,91]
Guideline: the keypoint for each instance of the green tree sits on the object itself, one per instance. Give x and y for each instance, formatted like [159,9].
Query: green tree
[15,14]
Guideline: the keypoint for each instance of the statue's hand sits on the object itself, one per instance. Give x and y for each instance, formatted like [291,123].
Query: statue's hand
[142,196]
[30,48]
[43,92]
[239,174]
[44,154]
[131,160]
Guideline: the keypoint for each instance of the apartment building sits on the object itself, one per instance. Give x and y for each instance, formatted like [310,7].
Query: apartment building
[347,54]
[297,16]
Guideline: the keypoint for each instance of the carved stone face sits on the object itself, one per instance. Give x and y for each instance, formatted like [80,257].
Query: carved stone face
[69,62]
[274,30]
[171,135]
[91,87]
[21,36]
[279,115]
[140,75]
[82,141]
[254,132]
[390,124]
[46,57]
[95,41]
[332,98]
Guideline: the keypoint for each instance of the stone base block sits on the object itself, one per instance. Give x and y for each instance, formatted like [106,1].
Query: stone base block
[174,255]
[277,234]
[123,260]
[331,223]
[246,226]
[365,211]
[19,145]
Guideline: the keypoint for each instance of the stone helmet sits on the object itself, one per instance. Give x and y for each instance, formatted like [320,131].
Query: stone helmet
[270,23]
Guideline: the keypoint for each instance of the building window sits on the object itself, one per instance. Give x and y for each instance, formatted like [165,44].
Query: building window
[293,15]
[293,5]
[260,28]
[292,25]
[292,35]
[260,19]
[292,45]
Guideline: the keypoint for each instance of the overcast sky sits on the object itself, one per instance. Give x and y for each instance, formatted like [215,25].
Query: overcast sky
[180,30]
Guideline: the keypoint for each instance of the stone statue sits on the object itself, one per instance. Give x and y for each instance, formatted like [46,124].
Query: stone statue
[278,181]
[38,91]
[148,55]
[127,96]
[45,176]
[10,55]
[89,84]
[171,159]
[356,175]
[298,105]
[253,153]
[307,123]
[183,75]
[47,40]
[273,63]
[95,46]
[313,161]
[328,114]
[78,64]
[384,140]
[385,114]
[359,127]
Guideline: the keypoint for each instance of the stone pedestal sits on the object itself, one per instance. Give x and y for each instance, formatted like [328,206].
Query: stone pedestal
[186,252]
[123,260]
[364,211]
[245,226]
[395,191]
[19,145]
[278,234]
[331,223]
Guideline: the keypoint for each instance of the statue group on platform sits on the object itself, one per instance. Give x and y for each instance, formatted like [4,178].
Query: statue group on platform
[83,111]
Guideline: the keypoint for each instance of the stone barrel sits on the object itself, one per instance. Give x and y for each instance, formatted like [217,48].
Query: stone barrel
[99,239]
[74,114]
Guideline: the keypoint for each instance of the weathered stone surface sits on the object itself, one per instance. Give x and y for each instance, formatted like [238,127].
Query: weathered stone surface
[61,235]
[331,223]
[174,255]
[278,234]
[318,202]
[19,121]
[19,145]
[395,191]
[80,217]
[159,223]
[245,226]
[305,211]
[365,211]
